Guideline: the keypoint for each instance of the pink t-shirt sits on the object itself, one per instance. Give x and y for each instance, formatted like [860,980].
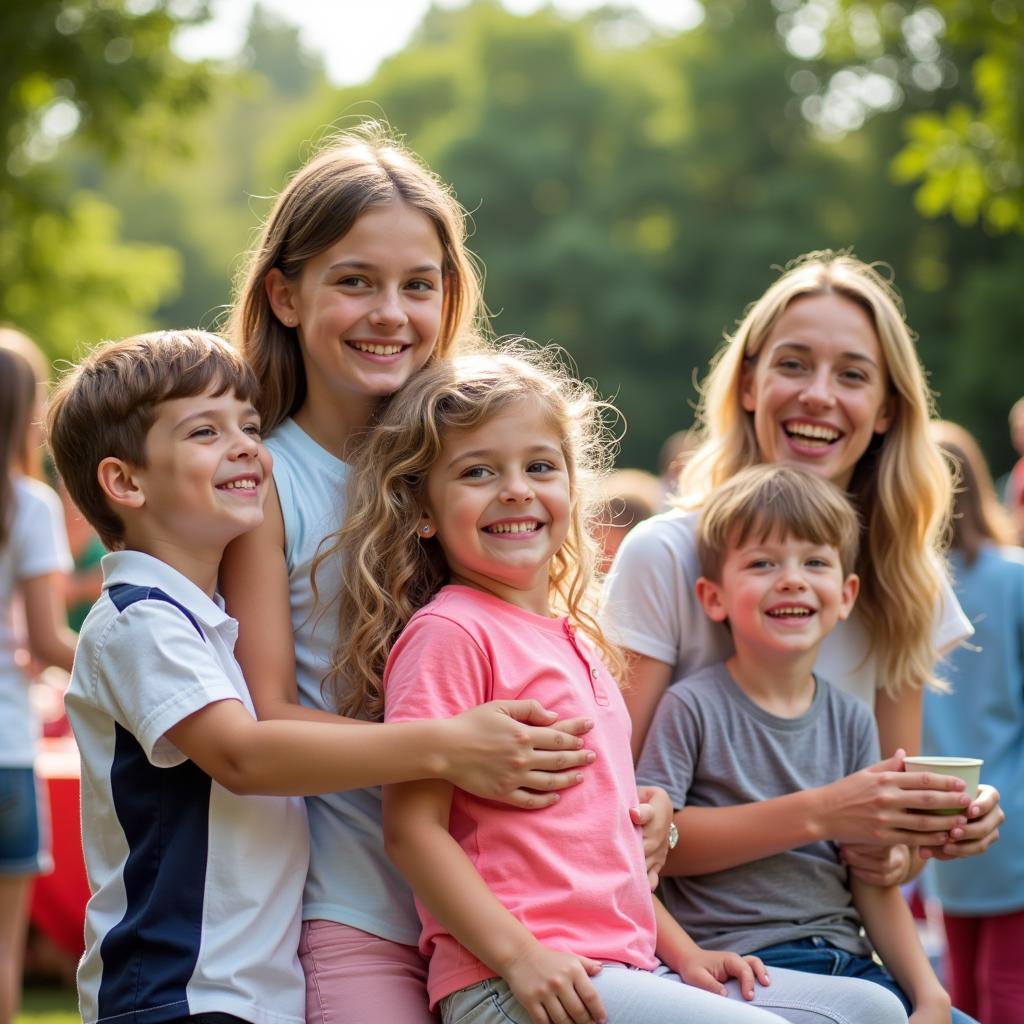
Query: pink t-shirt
[572,873]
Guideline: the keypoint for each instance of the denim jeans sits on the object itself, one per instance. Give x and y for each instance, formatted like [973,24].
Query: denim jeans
[816,956]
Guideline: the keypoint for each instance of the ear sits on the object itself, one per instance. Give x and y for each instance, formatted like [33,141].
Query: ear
[851,588]
[709,594]
[119,483]
[886,415]
[748,391]
[280,293]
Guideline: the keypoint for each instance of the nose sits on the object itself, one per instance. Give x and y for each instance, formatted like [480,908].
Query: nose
[818,390]
[516,489]
[244,446]
[791,579]
[388,312]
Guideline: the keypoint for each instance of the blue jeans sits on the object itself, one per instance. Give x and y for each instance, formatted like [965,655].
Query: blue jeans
[817,956]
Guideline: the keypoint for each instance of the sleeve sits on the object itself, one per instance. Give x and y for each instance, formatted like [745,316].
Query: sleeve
[672,747]
[436,670]
[153,670]
[39,538]
[645,593]
[950,625]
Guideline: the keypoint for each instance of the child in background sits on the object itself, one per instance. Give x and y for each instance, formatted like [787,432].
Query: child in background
[195,857]
[983,716]
[777,546]
[33,559]
[359,280]
[467,547]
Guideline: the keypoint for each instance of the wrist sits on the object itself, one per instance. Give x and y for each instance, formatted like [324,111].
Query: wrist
[816,805]
[439,743]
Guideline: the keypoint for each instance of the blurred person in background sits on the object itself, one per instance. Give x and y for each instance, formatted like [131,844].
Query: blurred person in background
[33,558]
[1014,482]
[630,496]
[983,716]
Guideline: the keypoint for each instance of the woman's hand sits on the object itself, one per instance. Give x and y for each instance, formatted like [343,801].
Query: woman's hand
[653,815]
[885,806]
[877,865]
[984,817]
[514,751]
[710,970]
[554,987]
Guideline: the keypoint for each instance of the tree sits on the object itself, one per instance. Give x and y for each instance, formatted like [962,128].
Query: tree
[103,75]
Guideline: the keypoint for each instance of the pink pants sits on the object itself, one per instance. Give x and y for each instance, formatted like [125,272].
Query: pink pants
[353,977]
[983,966]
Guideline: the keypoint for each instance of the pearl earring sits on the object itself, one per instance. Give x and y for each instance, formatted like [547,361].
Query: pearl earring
[425,528]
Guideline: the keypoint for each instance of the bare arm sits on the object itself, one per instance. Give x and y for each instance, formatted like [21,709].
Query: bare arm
[647,680]
[890,928]
[495,751]
[548,983]
[50,640]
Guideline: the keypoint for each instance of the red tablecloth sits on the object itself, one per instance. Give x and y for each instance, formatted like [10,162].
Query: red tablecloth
[58,899]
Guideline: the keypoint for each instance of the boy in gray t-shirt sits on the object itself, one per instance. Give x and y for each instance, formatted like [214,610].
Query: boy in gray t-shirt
[777,546]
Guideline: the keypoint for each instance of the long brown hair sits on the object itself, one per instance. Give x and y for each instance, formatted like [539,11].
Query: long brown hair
[900,485]
[355,172]
[389,572]
[17,403]
[978,518]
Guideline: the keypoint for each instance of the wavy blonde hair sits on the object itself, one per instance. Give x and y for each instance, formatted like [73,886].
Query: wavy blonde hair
[389,571]
[356,171]
[900,486]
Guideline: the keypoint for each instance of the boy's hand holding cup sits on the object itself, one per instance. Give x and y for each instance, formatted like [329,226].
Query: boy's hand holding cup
[966,768]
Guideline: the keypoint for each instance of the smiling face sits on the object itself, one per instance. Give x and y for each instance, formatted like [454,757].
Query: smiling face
[498,503]
[780,596]
[367,309]
[205,476]
[818,388]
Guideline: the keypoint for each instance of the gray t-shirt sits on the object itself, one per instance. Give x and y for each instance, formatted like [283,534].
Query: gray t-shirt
[711,746]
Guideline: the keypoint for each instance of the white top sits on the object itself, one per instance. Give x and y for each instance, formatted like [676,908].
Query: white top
[195,891]
[37,545]
[651,607]
[351,880]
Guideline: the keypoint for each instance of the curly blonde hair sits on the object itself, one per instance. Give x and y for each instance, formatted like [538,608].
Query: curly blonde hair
[389,571]
[900,485]
[356,171]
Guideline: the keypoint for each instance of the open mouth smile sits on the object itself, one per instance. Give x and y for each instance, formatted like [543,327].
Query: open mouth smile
[811,435]
[518,528]
[790,611]
[242,484]
[382,349]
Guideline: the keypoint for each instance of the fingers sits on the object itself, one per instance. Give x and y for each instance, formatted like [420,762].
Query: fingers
[546,782]
[543,762]
[890,764]
[641,815]
[530,712]
[738,967]
[574,726]
[701,977]
[759,969]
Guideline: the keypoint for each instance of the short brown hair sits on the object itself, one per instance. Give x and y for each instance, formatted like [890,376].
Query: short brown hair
[776,500]
[104,407]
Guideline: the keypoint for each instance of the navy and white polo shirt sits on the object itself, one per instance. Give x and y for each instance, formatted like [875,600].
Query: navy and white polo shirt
[196,892]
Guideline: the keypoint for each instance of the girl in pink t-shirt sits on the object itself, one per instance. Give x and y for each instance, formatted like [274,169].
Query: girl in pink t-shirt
[467,548]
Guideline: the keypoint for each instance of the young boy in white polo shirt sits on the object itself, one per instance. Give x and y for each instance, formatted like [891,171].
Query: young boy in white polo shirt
[777,547]
[196,880]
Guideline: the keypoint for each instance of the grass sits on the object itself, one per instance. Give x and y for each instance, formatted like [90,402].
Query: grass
[48,1006]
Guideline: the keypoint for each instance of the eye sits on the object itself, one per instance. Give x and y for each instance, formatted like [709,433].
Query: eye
[420,285]
[202,432]
[353,281]
[854,376]
[475,473]
[253,430]
[759,563]
[818,562]
[789,364]
[541,466]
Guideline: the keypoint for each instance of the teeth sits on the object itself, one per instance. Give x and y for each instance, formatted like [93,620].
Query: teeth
[811,430]
[527,527]
[377,350]
[240,485]
[790,612]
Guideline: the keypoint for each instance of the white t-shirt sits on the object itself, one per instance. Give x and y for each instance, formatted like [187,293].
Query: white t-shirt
[196,891]
[37,545]
[650,607]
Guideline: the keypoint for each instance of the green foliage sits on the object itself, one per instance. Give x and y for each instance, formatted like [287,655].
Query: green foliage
[104,75]
[966,151]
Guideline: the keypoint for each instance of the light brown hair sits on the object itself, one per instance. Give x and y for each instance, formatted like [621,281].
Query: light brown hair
[106,404]
[389,572]
[900,485]
[978,518]
[775,501]
[356,172]
[17,403]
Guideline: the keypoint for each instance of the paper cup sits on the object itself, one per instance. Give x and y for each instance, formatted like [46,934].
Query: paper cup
[966,768]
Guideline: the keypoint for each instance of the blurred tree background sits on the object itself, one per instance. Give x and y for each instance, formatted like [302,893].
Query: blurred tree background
[632,190]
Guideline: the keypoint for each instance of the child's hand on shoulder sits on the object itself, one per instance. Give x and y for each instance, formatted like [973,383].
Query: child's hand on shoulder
[552,986]
[709,970]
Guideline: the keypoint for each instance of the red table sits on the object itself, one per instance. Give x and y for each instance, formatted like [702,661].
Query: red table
[58,899]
